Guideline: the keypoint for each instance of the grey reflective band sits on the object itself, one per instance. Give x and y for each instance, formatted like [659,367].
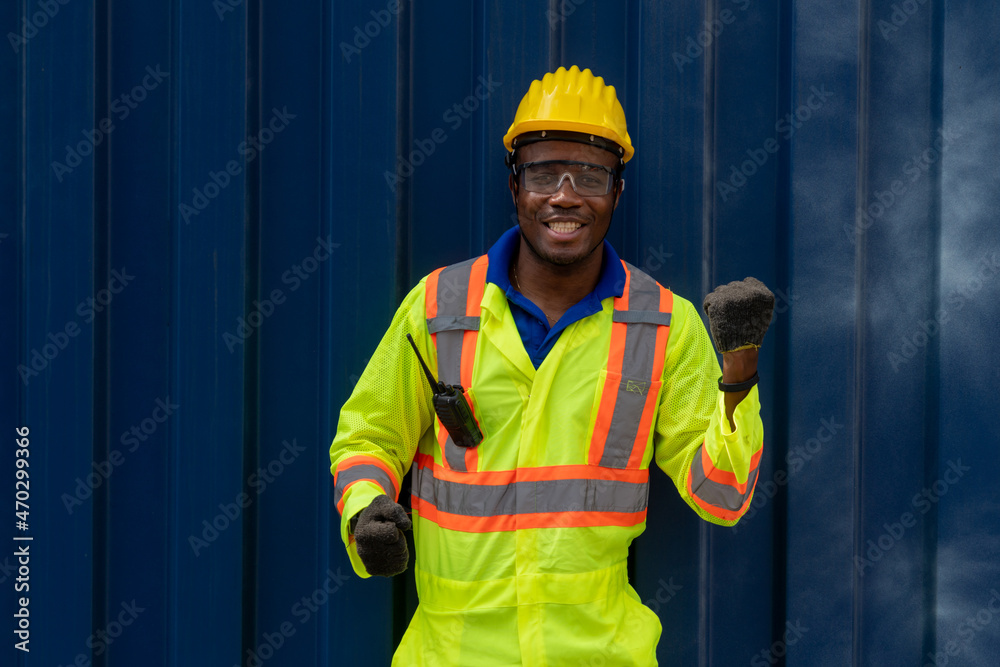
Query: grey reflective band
[637,366]
[452,323]
[363,471]
[719,495]
[641,317]
[557,495]
[452,298]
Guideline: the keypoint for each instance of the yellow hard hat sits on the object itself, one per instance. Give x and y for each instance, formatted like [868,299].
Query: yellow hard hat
[571,101]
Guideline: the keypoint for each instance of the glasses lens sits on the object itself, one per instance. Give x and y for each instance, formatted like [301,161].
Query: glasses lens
[546,178]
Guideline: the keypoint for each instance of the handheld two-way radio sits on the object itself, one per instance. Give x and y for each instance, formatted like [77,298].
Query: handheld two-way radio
[452,408]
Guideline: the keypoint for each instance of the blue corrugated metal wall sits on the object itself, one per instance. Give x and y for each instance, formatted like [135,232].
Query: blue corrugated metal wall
[209,212]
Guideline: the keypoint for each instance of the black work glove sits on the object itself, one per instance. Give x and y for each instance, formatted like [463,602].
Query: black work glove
[378,533]
[739,314]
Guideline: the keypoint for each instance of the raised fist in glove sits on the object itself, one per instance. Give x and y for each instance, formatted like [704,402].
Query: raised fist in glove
[380,539]
[739,314]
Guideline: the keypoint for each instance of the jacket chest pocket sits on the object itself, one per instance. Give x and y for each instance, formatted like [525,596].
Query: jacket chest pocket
[622,418]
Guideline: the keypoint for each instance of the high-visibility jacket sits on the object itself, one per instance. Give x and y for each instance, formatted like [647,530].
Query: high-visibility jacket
[521,542]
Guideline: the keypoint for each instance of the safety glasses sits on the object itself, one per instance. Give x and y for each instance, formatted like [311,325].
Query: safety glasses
[586,179]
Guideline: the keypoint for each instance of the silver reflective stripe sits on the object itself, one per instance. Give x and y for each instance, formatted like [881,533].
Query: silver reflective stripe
[450,323]
[639,316]
[637,369]
[354,473]
[719,495]
[557,495]
[449,347]
[452,298]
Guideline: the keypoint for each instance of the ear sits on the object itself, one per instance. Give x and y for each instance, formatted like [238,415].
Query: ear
[512,184]
[621,189]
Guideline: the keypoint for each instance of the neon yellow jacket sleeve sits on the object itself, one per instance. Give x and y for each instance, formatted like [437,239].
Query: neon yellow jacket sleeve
[386,414]
[692,413]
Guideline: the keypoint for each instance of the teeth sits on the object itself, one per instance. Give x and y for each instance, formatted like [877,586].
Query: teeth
[564,227]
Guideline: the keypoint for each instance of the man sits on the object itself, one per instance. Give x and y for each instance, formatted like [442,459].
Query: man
[580,371]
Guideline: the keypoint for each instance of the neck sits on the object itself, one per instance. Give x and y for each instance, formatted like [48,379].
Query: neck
[555,284]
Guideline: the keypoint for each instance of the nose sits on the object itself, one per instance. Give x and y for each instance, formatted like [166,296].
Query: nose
[565,195]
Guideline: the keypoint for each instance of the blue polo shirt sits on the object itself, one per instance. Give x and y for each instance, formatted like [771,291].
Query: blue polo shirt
[536,334]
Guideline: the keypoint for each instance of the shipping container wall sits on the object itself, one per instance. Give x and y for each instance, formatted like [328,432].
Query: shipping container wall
[210,211]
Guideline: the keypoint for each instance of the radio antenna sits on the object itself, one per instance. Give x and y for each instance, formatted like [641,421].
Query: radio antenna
[427,371]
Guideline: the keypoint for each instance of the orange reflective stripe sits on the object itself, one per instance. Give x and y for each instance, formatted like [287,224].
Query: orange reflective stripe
[640,330]
[621,302]
[728,478]
[718,492]
[473,308]
[477,286]
[580,519]
[465,524]
[616,357]
[485,477]
[606,410]
[720,512]
[430,294]
[359,468]
[469,339]
[510,522]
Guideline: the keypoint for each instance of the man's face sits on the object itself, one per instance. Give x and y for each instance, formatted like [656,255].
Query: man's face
[538,213]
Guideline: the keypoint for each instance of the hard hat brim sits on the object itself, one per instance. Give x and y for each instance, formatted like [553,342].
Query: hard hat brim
[554,126]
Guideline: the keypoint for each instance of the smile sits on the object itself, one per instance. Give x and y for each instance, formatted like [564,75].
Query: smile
[564,227]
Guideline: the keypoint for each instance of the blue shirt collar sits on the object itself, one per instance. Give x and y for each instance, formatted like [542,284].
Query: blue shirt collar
[611,282]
